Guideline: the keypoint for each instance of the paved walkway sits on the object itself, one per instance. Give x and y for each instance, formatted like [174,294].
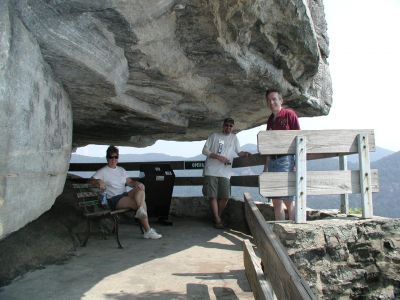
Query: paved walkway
[192,261]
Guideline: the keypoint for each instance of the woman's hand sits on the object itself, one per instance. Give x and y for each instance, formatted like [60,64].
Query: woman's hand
[102,185]
[139,185]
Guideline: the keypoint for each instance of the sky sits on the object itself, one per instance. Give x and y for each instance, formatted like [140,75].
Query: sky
[364,61]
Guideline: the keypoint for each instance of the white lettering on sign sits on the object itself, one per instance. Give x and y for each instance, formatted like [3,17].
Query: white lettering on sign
[198,165]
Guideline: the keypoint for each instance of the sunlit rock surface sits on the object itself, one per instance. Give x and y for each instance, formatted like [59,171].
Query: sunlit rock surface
[132,72]
[35,128]
[137,71]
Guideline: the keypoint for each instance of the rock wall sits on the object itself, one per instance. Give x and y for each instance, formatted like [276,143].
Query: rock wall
[346,259]
[35,127]
[137,71]
[131,72]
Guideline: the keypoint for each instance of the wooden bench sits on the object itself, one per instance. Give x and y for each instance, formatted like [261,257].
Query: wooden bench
[88,201]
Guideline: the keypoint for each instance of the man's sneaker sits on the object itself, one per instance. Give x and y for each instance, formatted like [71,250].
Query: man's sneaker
[152,234]
[141,213]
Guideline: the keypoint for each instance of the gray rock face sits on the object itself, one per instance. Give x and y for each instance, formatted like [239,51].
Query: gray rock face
[35,128]
[137,71]
[132,72]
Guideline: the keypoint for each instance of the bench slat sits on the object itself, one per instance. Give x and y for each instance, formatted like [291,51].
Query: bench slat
[98,213]
[86,194]
[88,203]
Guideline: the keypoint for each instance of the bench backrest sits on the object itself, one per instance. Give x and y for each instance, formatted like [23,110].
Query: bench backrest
[87,197]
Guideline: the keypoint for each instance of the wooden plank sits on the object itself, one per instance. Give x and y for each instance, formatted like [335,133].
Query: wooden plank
[260,286]
[179,181]
[129,166]
[280,270]
[85,167]
[81,185]
[88,203]
[301,180]
[318,141]
[249,180]
[344,198]
[365,176]
[252,160]
[99,213]
[118,211]
[81,195]
[275,184]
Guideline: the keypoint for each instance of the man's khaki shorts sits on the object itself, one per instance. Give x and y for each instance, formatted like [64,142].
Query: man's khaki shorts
[216,187]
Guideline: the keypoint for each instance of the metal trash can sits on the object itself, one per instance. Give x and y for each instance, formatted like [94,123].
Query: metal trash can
[159,182]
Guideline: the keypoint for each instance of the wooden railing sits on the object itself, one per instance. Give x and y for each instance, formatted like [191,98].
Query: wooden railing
[317,143]
[307,145]
[248,181]
[282,279]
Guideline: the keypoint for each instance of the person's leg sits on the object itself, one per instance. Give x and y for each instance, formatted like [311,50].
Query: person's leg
[210,191]
[224,189]
[282,164]
[215,210]
[221,206]
[278,209]
[138,196]
[290,207]
[132,202]
[224,192]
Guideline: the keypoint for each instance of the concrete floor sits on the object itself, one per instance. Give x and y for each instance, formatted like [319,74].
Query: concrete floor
[192,261]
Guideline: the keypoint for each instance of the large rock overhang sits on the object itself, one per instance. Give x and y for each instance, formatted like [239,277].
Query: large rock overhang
[131,72]
[138,71]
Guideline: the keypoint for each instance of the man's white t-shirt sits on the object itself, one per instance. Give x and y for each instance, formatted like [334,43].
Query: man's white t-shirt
[228,146]
[115,180]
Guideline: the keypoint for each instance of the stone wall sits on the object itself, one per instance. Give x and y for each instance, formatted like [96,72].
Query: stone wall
[346,259]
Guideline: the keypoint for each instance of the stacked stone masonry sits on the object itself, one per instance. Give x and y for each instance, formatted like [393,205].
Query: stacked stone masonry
[346,259]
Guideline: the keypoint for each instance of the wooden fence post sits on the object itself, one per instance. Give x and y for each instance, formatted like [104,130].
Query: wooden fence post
[365,176]
[301,180]
[344,198]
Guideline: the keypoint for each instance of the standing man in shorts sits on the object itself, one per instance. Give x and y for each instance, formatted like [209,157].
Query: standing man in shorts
[113,180]
[280,119]
[220,149]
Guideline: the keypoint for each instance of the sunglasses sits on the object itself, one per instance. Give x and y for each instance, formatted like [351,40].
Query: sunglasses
[228,125]
[113,157]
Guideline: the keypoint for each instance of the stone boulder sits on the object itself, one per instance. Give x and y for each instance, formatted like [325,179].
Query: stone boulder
[346,259]
[131,72]
[35,127]
[138,71]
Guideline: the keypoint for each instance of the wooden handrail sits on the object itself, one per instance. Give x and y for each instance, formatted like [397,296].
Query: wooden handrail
[285,278]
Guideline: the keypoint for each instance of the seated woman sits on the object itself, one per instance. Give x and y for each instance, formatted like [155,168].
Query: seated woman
[113,180]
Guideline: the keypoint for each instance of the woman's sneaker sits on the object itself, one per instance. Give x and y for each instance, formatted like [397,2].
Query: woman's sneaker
[151,234]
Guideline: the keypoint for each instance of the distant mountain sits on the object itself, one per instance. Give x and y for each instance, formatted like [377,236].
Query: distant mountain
[387,201]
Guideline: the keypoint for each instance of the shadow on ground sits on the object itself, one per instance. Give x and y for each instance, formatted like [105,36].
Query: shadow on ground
[192,260]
